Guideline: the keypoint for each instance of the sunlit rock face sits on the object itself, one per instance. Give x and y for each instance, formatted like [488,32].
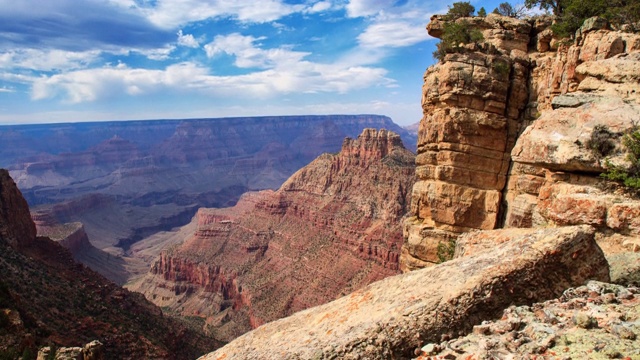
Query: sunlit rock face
[503,141]
[331,228]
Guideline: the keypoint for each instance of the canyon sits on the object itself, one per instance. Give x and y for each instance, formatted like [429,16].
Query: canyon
[126,181]
[499,238]
[331,228]
[507,184]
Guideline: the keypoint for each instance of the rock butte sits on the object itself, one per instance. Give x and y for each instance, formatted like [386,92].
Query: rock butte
[331,228]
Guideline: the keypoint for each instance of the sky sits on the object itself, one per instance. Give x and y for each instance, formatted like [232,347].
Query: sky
[95,60]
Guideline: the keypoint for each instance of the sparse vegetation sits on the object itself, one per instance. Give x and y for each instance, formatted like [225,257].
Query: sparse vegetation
[482,12]
[572,13]
[454,36]
[445,250]
[628,176]
[501,68]
[601,141]
[459,10]
[506,9]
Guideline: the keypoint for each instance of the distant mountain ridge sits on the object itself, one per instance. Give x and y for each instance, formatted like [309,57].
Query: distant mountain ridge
[125,181]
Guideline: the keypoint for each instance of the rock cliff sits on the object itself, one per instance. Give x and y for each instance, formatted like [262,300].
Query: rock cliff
[47,298]
[331,228]
[504,137]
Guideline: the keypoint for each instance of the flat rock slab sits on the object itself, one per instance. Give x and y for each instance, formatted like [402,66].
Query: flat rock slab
[389,319]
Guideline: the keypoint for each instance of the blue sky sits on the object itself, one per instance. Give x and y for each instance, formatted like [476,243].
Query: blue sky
[92,60]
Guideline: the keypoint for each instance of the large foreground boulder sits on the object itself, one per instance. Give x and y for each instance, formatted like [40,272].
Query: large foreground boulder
[391,318]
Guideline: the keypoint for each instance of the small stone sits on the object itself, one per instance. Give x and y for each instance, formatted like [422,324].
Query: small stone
[623,332]
[584,321]
[484,329]
[609,298]
[430,349]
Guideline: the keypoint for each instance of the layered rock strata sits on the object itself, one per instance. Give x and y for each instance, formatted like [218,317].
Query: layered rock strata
[472,103]
[389,319]
[504,141]
[333,227]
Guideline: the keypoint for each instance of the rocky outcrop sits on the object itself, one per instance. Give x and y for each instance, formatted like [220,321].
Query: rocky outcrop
[331,228]
[504,141]
[392,317]
[472,103]
[593,321]
[70,235]
[16,227]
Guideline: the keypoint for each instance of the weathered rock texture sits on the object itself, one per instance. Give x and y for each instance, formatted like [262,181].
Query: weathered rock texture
[333,227]
[505,133]
[392,317]
[594,321]
[46,297]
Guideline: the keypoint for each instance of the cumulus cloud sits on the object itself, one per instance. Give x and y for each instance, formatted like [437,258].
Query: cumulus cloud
[187,40]
[46,60]
[170,14]
[248,56]
[359,8]
[304,77]
[392,34]
[320,6]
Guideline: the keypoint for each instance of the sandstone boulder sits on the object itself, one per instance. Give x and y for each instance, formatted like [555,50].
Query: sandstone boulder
[391,318]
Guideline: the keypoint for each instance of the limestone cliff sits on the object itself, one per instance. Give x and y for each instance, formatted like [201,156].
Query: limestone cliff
[331,228]
[503,139]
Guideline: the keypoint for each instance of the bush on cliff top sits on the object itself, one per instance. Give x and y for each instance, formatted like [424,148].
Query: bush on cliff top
[628,176]
[455,34]
[572,13]
[459,10]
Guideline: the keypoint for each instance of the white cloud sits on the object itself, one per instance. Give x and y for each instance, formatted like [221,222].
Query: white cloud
[320,6]
[6,90]
[187,40]
[46,60]
[361,8]
[248,56]
[170,14]
[392,34]
[302,77]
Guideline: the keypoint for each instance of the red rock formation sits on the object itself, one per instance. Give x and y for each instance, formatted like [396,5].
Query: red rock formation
[333,227]
[503,140]
[16,226]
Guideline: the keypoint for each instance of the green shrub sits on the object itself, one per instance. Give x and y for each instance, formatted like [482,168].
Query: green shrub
[572,13]
[601,141]
[628,176]
[460,9]
[501,68]
[445,250]
[482,12]
[455,34]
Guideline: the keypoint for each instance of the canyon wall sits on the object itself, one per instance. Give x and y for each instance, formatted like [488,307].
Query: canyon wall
[331,228]
[505,133]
